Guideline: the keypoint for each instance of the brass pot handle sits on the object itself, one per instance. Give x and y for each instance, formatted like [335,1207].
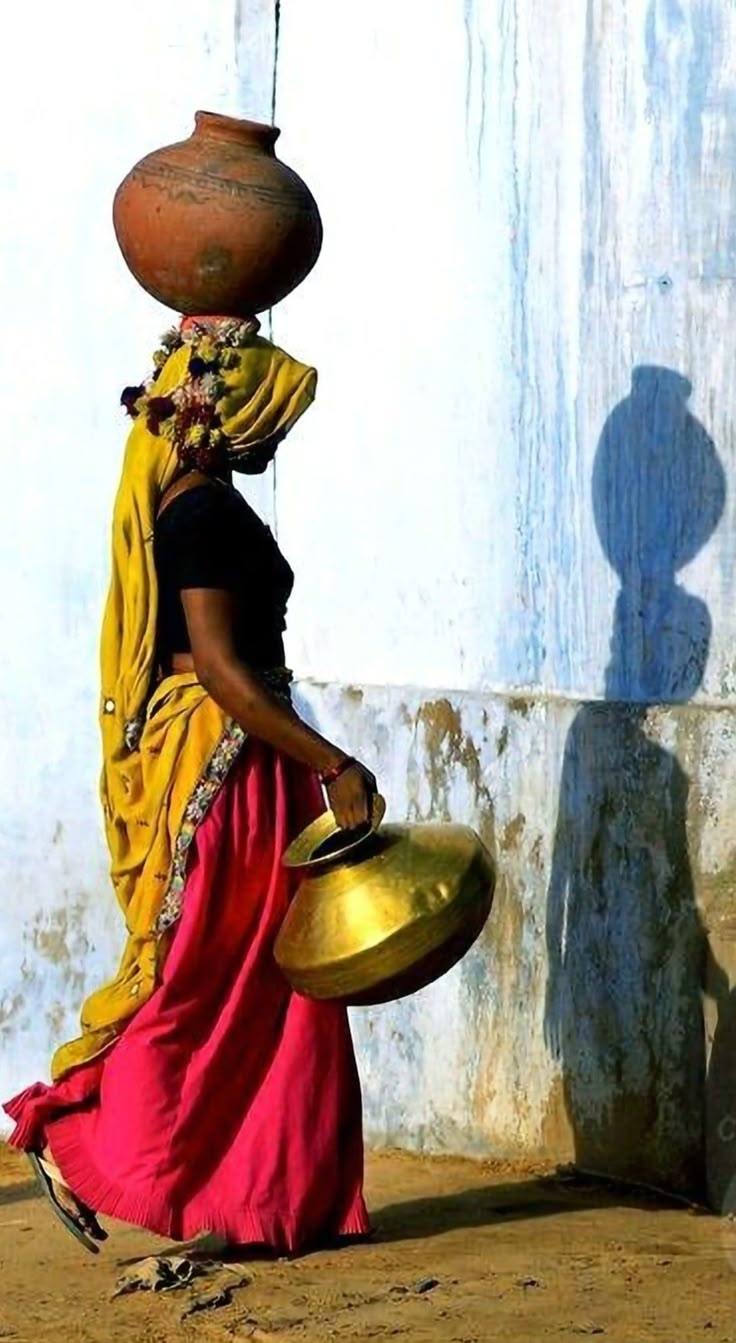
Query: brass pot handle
[304,851]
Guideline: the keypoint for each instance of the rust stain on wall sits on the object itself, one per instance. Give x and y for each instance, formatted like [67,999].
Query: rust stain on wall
[448,747]
[512,833]
[536,854]
[60,939]
[556,1134]
[10,1007]
[521,706]
[501,942]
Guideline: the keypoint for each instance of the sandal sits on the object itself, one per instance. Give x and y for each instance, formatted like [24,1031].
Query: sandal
[83,1226]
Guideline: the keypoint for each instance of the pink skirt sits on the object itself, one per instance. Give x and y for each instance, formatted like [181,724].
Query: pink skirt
[229,1105]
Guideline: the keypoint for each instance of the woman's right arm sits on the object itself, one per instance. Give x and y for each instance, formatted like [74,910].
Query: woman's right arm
[209,616]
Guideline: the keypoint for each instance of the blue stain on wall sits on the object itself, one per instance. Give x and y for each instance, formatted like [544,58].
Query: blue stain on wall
[593,185]
[706,38]
[665,21]
[529,643]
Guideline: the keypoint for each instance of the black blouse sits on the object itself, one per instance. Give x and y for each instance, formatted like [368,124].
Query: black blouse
[209,537]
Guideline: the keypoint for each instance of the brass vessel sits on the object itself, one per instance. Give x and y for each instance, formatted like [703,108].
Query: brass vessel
[381,913]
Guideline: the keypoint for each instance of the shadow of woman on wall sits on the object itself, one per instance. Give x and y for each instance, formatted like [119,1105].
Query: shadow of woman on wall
[626,946]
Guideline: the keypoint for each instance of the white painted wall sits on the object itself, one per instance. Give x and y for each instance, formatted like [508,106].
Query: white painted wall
[85,90]
[505,192]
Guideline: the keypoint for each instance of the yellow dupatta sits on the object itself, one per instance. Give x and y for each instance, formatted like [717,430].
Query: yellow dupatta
[166,749]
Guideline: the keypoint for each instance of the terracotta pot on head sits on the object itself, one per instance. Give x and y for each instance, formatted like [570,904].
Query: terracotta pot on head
[216,223]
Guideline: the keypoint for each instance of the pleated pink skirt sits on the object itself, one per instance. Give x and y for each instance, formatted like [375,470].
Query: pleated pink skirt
[229,1105]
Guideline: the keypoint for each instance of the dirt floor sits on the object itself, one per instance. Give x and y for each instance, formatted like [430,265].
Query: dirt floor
[463,1253]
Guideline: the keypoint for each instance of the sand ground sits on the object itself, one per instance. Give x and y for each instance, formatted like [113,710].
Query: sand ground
[463,1253]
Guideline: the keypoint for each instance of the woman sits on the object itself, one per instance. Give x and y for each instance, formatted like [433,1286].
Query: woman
[204,1096]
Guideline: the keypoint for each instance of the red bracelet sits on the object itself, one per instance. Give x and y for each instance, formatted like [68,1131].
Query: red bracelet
[331,775]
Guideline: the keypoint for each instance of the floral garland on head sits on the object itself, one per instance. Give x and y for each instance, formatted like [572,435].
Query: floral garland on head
[188,416]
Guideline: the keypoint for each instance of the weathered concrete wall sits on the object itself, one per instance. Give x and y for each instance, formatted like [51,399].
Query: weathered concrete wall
[516,481]
[575,1028]
[515,484]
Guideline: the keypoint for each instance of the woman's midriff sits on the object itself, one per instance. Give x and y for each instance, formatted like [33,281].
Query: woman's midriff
[274,678]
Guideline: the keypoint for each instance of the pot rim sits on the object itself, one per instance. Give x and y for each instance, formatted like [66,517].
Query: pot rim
[301,851]
[219,125]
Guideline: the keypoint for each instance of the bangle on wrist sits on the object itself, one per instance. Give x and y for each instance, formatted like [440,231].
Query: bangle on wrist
[331,775]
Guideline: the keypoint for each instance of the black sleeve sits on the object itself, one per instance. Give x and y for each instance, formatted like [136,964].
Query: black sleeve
[201,542]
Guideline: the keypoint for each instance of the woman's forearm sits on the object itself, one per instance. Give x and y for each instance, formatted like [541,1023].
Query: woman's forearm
[260,713]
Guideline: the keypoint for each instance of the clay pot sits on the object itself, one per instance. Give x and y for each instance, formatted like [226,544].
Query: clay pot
[216,223]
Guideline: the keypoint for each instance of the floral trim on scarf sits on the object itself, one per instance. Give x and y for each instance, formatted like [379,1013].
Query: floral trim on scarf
[220,763]
[189,415]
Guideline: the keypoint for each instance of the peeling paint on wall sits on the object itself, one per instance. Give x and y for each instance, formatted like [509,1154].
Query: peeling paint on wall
[574,1028]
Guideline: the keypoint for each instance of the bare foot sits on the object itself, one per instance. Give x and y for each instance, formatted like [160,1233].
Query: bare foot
[72,1205]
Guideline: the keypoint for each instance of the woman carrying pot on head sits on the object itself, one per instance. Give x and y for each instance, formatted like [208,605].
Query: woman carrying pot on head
[203,1095]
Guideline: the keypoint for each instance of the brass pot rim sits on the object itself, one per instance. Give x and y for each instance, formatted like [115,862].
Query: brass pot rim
[300,853]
